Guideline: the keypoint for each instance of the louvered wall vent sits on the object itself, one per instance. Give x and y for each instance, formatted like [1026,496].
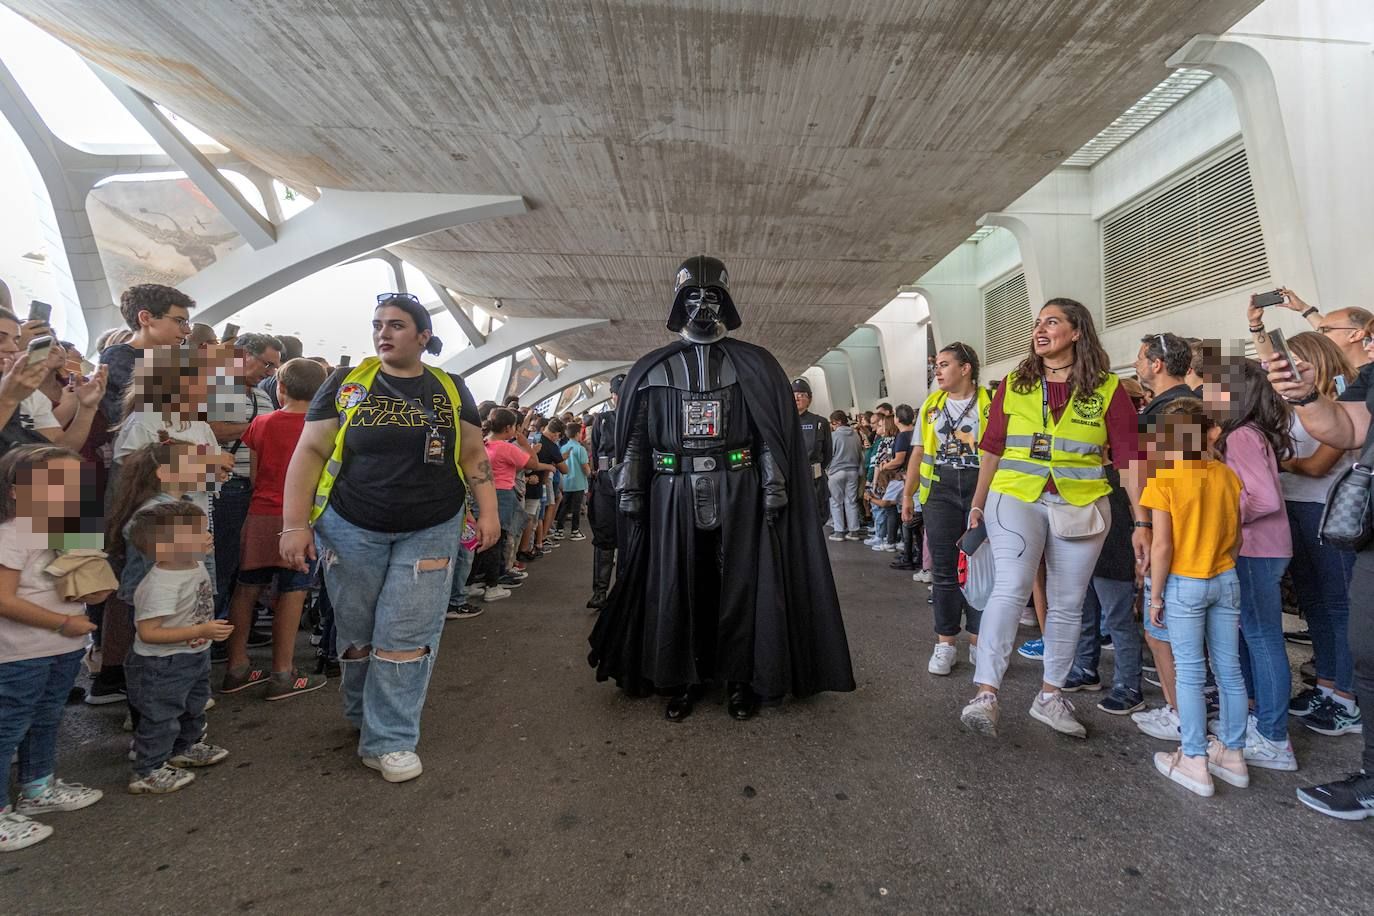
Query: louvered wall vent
[1008,320]
[1196,239]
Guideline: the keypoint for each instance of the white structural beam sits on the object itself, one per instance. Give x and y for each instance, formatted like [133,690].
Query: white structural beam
[339,226]
[541,359]
[595,399]
[252,225]
[517,334]
[455,308]
[574,373]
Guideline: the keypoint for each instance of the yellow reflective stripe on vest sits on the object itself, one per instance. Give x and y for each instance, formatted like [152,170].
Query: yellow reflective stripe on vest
[930,443]
[1078,442]
[364,375]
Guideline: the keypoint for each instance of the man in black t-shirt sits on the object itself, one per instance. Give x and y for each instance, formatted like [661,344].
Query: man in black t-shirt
[1161,365]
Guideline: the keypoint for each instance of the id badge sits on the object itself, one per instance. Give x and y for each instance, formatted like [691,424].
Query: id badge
[434,447]
[950,449]
[1040,447]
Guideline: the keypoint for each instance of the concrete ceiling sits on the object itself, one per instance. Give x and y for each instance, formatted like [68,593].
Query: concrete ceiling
[827,151]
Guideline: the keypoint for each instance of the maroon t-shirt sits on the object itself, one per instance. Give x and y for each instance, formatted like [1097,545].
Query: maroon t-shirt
[1123,438]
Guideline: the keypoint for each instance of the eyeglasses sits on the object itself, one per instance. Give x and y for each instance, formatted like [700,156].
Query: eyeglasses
[384,298]
[183,323]
[1326,329]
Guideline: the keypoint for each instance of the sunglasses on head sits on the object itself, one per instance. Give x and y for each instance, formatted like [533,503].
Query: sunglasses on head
[384,298]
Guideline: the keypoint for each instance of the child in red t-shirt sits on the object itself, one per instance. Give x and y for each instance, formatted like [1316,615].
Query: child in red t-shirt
[272,438]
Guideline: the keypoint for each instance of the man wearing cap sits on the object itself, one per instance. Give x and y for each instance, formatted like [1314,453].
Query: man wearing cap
[816,433]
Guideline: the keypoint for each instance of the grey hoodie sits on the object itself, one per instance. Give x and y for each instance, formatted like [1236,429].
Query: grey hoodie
[846,454]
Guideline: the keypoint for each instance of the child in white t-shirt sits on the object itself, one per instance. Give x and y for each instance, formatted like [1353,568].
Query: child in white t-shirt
[42,636]
[168,672]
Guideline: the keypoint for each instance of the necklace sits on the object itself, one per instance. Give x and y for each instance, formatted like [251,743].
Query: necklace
[1068,365]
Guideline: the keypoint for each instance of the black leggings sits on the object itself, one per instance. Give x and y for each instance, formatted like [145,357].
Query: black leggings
[570,510]
[946,516]
[1362,641]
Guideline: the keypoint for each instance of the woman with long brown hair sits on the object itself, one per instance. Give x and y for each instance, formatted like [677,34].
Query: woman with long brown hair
[1042,492]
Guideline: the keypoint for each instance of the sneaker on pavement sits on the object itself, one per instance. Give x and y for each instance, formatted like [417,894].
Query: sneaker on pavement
[292,684]
[1056,711]
[161,781]
[1121,700]
[476,591]
[397,766]
[1332,718]
[1151,676]
[980,715]
[1350,799]
[577,536]
[509,581]
[837,536]
[101,695]
[1269,755]
[462,611]
[1082,680]
[496,593]
[1299,637]
[878,546]
[58,796]
[1032,648]
[199,754]
[923,575]
[241,678]
[1161,722]
[1305,702]
[943,658]
[870,541]
[19,832]
[1226,764]
[1189,772]
[854,536]
[1104,642]
[901,563]
[557,534]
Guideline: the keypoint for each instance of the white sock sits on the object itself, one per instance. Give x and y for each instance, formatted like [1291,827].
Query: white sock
[1046,697]
[1326,691]
[1347,702]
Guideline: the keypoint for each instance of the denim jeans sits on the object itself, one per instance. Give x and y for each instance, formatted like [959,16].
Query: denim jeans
[384,600]
[462,566]
[844,500]
[1321,579]
[32,694]
[1199,610]
[1109,607]
[1263,658]
[169,692]
[231,511]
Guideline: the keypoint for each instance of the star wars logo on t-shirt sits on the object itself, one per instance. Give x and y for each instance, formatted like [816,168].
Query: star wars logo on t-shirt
[380,410]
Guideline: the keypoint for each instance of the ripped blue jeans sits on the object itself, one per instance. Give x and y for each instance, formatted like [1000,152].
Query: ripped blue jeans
[390,592]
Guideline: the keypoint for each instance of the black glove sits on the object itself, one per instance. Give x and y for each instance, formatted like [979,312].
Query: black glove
[774,487]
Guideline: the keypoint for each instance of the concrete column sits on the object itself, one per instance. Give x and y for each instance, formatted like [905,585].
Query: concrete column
[1302,75]
[821,402]
[901,326]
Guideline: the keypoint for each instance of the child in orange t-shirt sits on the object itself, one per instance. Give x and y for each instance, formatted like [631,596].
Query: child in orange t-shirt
[1194,502]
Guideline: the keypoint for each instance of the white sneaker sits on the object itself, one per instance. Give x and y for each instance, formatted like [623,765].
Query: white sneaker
[1161,723]
[891,548]
[980,715]
[496,593]
[1057,712]
[878,546]
[943,658]
[1189,772]
[59,796]
[475,591]
[837,536]
[1028,618]
[922,575]
[18,832]
[397,766]
[871,541]
[1268,755]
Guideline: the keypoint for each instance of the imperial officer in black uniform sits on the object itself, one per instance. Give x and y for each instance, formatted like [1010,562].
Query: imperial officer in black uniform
[816,434]
[601,505]
[722,576]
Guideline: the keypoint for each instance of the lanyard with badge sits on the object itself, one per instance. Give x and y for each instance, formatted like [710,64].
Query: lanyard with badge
[950,448]
[434,439]
[1040,442]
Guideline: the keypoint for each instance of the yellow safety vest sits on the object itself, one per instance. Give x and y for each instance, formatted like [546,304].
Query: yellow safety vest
[930,441]
[1078,440]
[353,391]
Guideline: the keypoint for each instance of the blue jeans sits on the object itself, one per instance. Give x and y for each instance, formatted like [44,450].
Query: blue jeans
[384,600]
[462,567]
[230,509]
[1263,658]
[1207,609]
[1321,578]
[169,693]
[32,694]
[1109,606]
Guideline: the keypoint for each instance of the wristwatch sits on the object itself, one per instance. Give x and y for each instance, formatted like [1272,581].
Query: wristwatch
[1303,401]
[1142,524]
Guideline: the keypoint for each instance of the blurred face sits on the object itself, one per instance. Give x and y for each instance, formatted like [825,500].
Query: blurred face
[192,469]
[395,337]
[1219,399]
[950,374]
[185,540]
[1053,337]
[52,491]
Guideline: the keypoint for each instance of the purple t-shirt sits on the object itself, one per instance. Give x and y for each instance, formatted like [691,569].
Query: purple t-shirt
[1263,516]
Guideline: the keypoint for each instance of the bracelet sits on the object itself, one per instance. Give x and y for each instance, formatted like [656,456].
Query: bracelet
[976,509]
[1304,401]
[1142,524]
[1309,310]
[286,531]
[1257,330]
[1153,605]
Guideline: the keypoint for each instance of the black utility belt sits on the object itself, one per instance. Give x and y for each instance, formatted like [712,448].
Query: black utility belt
[734,459]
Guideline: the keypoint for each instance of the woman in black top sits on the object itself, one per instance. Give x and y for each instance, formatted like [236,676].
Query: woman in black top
[389,527]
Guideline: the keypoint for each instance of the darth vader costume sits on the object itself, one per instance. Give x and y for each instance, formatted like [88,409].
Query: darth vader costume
[601,502]
[722,575]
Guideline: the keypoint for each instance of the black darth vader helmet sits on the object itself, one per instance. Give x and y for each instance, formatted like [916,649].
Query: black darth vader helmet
[702,272]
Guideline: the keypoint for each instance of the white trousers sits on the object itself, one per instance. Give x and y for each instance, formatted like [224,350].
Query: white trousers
[1020,535]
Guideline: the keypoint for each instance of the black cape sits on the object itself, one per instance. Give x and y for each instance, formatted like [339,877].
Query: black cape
[799,642]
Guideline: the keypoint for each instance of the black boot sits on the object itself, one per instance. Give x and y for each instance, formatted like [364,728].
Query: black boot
[743,702]
[603,563]
[681,706]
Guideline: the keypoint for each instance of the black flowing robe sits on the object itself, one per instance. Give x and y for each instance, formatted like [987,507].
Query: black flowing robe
[778,597]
